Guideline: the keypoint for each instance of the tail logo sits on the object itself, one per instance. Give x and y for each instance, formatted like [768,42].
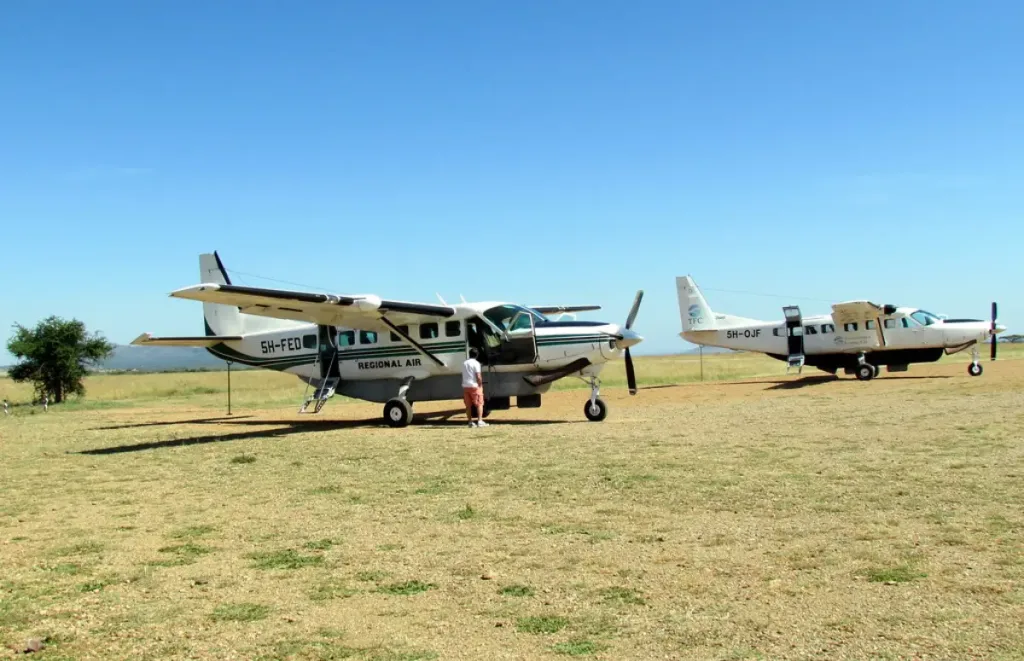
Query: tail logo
[694,311]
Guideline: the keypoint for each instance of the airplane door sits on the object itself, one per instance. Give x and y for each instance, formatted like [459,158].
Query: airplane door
[328,351]
[521,339]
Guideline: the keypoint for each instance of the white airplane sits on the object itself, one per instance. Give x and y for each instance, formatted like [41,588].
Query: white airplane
[859,336]
[399,352]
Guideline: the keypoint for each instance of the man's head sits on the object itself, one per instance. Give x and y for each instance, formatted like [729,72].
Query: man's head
[473,353]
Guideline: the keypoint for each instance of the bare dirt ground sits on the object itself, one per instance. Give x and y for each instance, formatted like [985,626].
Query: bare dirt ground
[743,520]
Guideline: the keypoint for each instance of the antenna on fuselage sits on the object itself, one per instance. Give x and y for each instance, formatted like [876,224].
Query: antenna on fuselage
[443,302]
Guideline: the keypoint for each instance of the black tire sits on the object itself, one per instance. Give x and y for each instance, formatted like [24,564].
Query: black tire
[975,369]
[878,371]
[397,413]
[487,410]
[865,372]
[598,413]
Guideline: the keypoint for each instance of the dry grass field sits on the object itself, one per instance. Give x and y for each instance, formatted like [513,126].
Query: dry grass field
[741,518]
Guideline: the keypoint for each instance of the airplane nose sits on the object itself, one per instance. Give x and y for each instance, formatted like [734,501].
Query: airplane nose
[629,338]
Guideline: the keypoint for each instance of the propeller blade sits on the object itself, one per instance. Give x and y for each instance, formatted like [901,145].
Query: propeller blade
[995,338]
[636,308]
[630,374]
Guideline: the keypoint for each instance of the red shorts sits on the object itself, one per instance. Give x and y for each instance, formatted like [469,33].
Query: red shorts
[473,396]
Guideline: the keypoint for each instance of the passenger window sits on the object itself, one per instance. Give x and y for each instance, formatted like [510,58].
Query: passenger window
[367,337]
[810,330]
[777,332]
[827,328]
[452,328]
[395,337]
[869,324]
[890,323]
[309,341]
[346,338]
[850,327]
[428,331]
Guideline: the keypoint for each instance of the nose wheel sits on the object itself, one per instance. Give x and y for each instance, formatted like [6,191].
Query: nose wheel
[974,369]
[595,409]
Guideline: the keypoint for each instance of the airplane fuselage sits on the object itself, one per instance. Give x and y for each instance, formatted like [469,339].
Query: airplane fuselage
[909,335]
[367,364]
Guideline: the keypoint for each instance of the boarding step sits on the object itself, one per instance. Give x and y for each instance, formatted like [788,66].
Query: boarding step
[323,392]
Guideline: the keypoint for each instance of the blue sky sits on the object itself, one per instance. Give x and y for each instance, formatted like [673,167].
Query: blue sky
[541,152]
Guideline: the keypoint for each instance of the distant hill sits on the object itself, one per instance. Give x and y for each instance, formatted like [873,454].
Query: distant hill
[161,359]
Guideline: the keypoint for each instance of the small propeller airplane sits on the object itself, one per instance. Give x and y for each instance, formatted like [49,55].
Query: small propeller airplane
[858,337]
[400,352]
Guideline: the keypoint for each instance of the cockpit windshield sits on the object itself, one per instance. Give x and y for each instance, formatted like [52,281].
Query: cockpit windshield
[924,318]
[513,317]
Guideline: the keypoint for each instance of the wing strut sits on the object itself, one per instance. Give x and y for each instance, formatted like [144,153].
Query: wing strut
[416,345]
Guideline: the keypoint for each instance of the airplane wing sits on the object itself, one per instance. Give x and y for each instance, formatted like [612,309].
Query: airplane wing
[198,341]
[557,309]
[858,325]
[364,312]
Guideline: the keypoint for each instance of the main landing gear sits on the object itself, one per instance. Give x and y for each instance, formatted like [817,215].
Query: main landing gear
[398,410]
[865,370]
[974,369]
[595,409]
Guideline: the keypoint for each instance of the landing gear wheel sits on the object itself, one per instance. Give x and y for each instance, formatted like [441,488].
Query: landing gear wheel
[974,369]
[866,372]
[487,410]
[597,411]
[397,413]
[878,371]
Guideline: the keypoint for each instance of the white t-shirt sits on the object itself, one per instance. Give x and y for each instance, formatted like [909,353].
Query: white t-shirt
[470,368]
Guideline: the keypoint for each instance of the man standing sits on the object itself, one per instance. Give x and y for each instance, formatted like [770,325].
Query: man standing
[473,389]
[7,411]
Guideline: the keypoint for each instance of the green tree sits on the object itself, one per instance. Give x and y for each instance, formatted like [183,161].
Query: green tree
[55,356]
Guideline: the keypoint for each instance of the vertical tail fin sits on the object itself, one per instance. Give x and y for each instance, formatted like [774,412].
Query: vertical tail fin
[220,319]
[694,312]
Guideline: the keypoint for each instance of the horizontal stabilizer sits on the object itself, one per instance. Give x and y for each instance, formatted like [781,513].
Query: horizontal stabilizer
[198,341]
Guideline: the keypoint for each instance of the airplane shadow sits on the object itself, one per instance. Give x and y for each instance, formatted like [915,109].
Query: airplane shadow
[829,378]
[288,427]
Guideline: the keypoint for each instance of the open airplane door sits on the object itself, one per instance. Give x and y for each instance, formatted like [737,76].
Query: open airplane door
[521,340]
[794,338]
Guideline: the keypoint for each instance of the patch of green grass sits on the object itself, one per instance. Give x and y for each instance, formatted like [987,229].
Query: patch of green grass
[516,591]
[899,574]
[541,624]
[243,459]
[371,576]
[577,647]
[81,548]
[284,559]
[66,568]
[326,490]
[619,595]
[240,612]
[187,550]
[391,655]
[390,547]
[319,544]
[96,585]
[466,512]
[331,590]
[433,488]
[192,531]
[406,588]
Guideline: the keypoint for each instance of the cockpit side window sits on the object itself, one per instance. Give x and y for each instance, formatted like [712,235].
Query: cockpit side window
[890,323]
[503,316]
[924,318]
